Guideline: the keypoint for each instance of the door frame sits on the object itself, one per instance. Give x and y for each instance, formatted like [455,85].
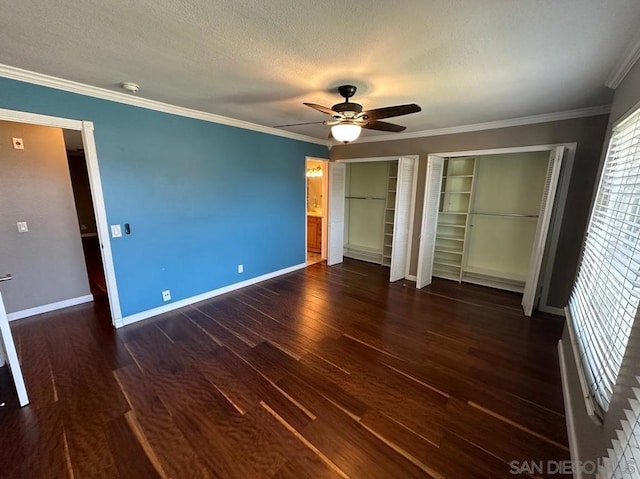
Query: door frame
[412,207]
[557,213]
[325,205]
[97,195]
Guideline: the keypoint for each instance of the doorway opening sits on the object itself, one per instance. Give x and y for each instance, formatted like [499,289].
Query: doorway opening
[48,230]
[492,218]
[316,210]
[371,206]
[85,213]
[50,242]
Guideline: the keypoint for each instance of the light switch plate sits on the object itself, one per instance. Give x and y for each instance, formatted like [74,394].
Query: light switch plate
[116,231]
[22,227]
[18,144]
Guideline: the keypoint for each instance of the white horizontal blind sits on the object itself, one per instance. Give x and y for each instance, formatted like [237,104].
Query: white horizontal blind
[606,294]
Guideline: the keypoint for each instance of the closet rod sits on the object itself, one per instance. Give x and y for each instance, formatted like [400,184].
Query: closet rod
[513,215]
[364,198]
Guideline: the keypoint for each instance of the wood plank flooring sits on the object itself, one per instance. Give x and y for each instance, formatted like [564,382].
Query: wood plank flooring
[322,373]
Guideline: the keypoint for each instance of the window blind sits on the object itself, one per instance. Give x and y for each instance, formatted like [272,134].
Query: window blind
[605,297]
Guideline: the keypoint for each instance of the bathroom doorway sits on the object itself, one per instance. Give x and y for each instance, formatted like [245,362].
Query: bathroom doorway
[316,204]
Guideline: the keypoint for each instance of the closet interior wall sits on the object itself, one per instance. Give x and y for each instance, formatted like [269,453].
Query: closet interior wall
[487,218]
[370,198]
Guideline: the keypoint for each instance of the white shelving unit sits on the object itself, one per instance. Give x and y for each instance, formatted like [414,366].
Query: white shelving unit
[389,213]
[453,217]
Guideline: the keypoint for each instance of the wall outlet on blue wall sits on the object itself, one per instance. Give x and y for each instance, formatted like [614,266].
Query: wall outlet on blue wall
[166,295]
[240,268]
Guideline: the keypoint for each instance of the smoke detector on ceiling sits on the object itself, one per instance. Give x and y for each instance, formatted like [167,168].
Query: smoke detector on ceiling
[131,87]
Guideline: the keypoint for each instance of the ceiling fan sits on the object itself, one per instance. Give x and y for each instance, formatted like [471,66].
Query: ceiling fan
[348,117]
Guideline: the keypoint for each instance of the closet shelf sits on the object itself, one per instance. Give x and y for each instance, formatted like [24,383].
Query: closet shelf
[449,238]
[449,225]
[452,213]
[458,176]
[490,273]
[450,265]
[448,251]
[364,198]
[510,215]
[438,273]
[455,193]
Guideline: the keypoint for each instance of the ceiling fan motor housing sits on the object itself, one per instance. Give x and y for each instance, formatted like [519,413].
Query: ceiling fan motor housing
[346,108]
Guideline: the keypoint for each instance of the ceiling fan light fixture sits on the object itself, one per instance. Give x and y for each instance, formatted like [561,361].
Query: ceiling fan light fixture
[346,132]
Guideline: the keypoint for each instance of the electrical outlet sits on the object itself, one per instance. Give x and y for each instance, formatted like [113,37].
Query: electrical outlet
[166,295]
[240,268]
[116,231]
[22,227]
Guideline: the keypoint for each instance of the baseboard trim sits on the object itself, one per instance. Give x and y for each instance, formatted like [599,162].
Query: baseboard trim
[552,310]
[134,318]
[45,308]
[568,412]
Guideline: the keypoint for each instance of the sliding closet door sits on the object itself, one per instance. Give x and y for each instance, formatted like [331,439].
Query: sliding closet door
[337,181]
[546,207]
[405,192]
[433,185]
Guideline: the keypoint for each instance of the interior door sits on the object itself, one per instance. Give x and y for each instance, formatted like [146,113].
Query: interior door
[530,296]
[433,185]
[337,183]
[405,192]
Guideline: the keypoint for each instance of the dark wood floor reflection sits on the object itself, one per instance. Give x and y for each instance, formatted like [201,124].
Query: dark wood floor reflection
[326,372]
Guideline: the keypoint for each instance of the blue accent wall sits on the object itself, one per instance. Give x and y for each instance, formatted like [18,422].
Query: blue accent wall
[200,197]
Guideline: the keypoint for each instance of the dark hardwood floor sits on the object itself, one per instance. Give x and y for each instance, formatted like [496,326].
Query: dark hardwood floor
[326,372]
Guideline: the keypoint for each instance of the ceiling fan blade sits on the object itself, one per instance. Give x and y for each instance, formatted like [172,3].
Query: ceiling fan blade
[389,111]
[383,126]
[298,124]
[321,108]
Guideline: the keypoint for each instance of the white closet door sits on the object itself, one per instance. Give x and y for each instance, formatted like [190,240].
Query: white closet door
[546,208]
[405,191]
[337,177]
[433,185]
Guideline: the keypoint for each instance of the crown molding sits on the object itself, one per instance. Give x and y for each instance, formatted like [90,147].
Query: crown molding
[624,64]
[492,125]
[40,79]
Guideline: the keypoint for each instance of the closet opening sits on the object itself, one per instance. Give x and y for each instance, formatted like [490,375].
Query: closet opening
[372,202]
[316,210]
[489,218]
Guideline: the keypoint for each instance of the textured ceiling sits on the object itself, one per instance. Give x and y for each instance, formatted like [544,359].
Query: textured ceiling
[463,61]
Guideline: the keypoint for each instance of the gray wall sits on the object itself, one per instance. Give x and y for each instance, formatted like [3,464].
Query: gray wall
[47,263]
[593,440]
[587,132]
